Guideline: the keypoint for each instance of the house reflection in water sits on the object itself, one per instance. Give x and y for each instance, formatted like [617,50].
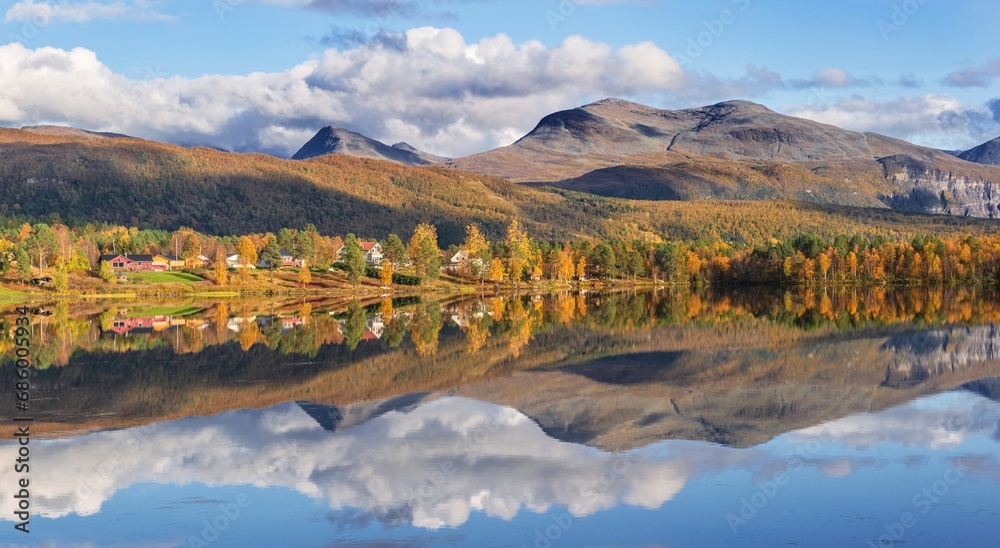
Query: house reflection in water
[374,328]
[236,323]
[463,316]
[287,324]
[129,326]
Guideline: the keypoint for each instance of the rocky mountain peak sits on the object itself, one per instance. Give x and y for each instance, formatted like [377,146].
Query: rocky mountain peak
[986,153]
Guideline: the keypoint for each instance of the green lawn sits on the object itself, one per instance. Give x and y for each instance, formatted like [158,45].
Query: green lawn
[164,277]
[10,294]
[180,310]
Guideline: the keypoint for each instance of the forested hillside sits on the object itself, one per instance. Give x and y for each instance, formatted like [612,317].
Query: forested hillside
[145,184]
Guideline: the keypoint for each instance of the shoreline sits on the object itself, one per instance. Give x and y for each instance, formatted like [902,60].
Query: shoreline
[161,291]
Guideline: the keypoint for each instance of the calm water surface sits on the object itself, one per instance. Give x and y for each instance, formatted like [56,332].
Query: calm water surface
[722,418]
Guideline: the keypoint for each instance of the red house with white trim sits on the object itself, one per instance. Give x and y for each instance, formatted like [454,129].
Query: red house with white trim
[372,250]
[133,263]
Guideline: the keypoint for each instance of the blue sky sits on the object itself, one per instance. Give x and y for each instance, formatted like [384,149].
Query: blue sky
[459,76]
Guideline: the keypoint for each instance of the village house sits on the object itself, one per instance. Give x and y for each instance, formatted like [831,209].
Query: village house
[161,260]
[173,261]
[287,261]
[460,262]
[198,261]
[124,262]
[372,250]
[233,261]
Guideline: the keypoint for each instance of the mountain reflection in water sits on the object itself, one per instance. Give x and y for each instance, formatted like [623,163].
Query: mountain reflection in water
[424,416]
[432,462]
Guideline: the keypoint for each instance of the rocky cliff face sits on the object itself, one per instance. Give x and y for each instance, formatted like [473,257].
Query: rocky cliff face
[923,188]
[916,357]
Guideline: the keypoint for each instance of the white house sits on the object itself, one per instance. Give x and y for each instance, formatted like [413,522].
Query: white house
[233,261]
[372,250]
[460,261]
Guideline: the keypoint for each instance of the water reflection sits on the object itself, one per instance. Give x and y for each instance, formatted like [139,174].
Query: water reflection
[190,327]
[736,368]
[434,462]
[474,413]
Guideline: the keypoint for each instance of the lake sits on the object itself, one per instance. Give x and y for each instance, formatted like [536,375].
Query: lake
[714,417]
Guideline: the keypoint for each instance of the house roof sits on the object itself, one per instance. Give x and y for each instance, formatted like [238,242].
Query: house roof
[284,252]
[134,258]
[365,246]
[173,258]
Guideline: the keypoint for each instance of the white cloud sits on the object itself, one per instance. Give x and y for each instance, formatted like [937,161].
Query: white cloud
[943,423]
[978,76]
[451,96]
[938,120]
[41,12]
[448,458]
[429,87]
[436,464]
[832,77]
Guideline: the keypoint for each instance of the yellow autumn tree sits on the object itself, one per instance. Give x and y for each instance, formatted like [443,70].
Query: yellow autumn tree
[385,310]
[385,273]
[221,268]
[519,249]
[475,245]
[692,264]
[249,334]
[476,335]
[424,252]
[852,264]
[564,266]
[824,261]
[496,270]
[247,252]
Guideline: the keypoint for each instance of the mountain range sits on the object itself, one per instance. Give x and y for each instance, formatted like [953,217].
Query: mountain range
[735,150]
[735,171]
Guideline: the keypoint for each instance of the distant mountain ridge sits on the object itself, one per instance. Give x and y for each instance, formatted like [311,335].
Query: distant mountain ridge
[987,153]
[66,131]
[755,174]
[736,150]
[337,140]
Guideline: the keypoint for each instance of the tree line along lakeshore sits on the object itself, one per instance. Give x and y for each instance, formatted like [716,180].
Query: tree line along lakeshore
[69,258]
